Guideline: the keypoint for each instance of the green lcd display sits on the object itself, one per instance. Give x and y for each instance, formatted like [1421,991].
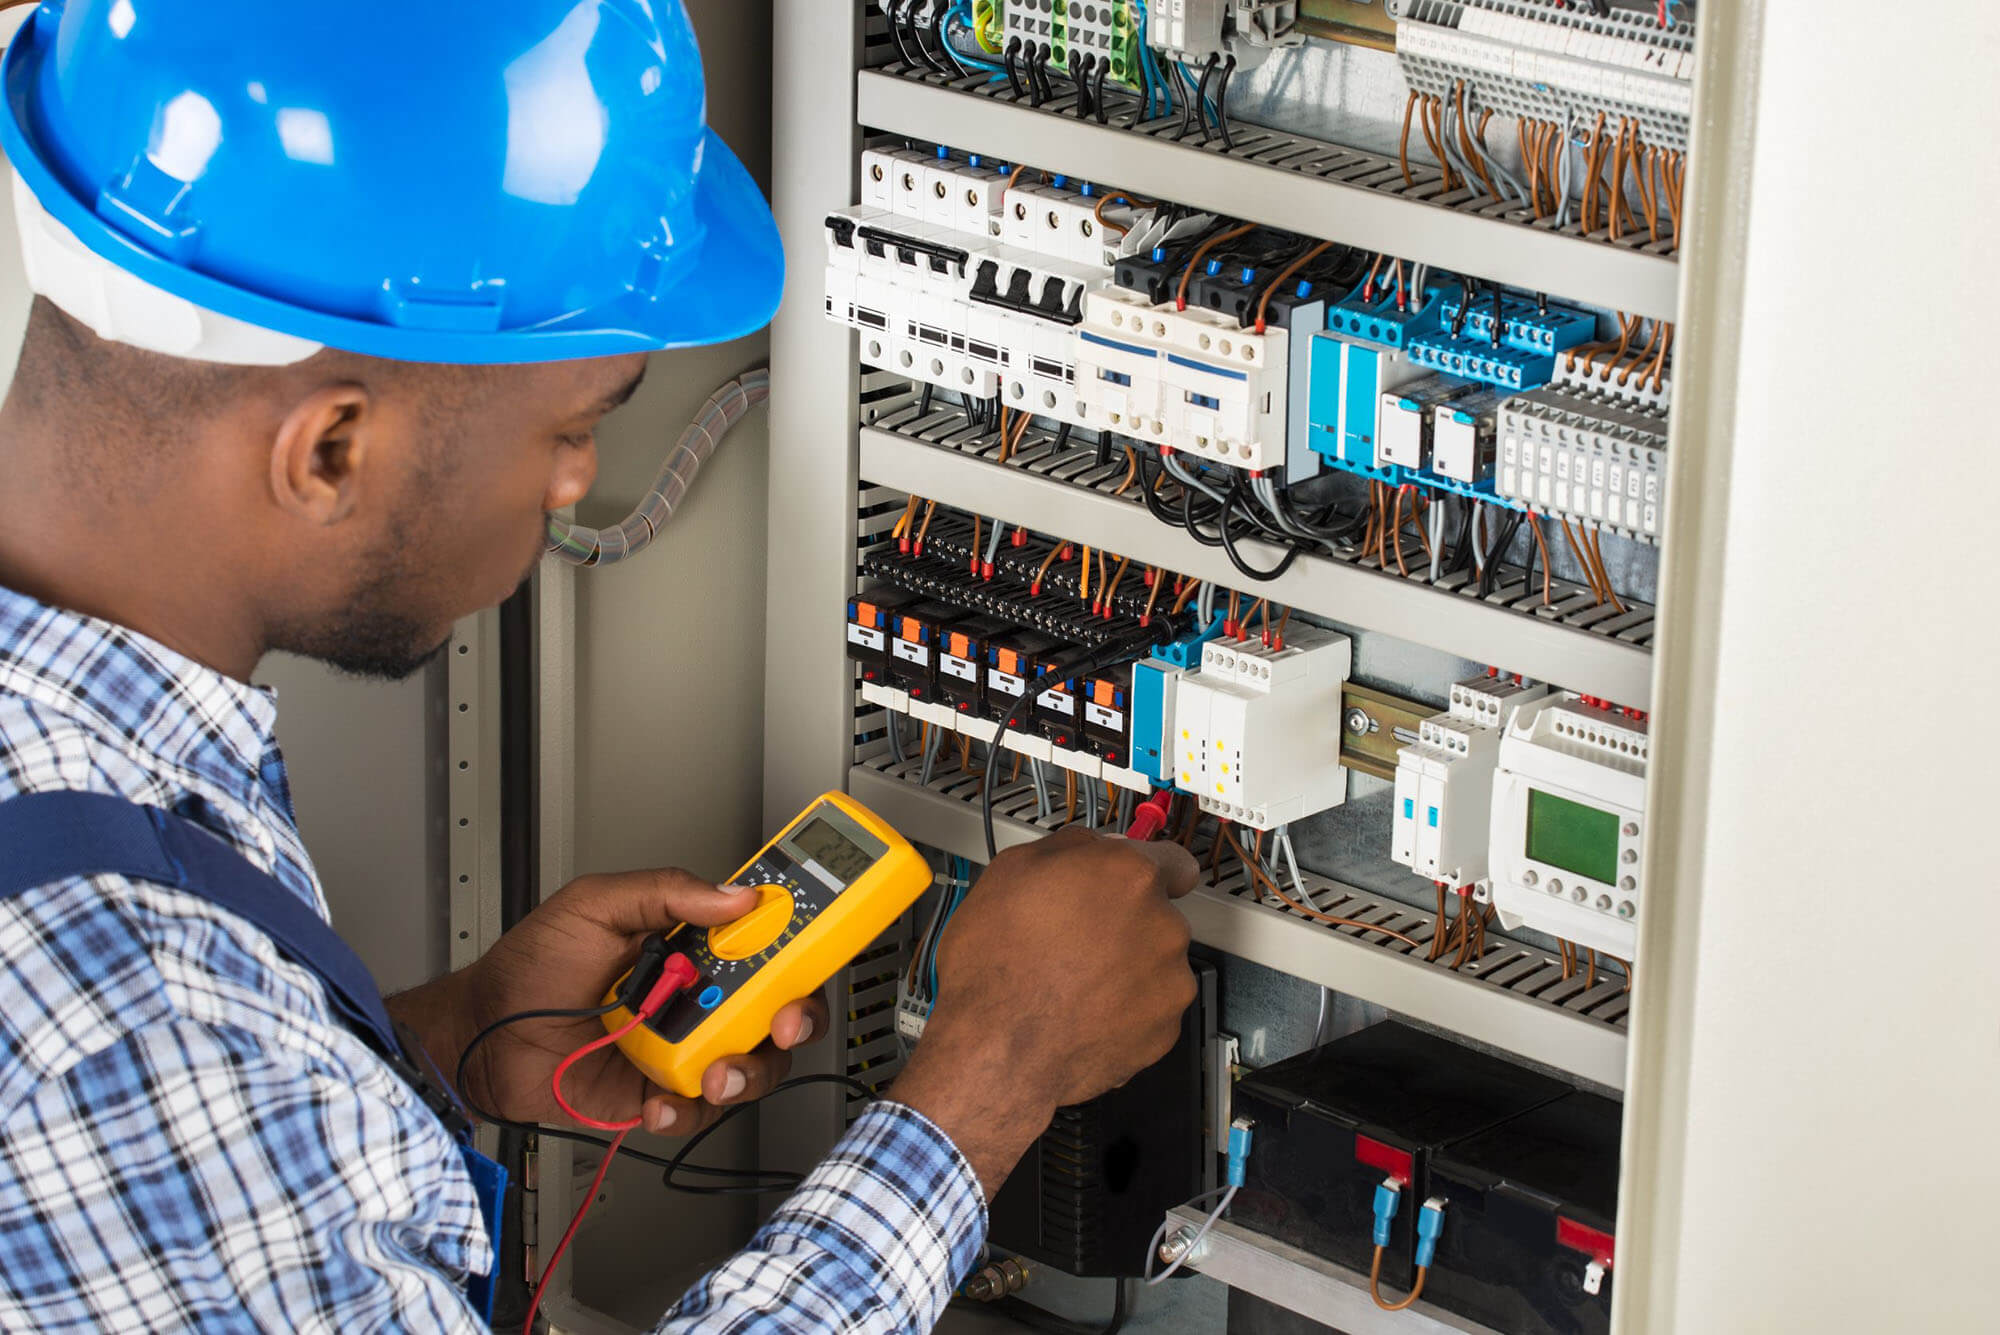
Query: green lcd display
[1570,835]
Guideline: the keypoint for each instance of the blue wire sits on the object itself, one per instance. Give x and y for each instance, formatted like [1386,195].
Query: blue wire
[962,14]
[1145,61]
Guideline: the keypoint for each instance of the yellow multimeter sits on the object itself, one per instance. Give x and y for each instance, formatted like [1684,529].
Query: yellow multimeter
[828,885]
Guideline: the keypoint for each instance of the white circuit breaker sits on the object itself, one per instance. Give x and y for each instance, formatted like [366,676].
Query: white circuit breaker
[1569,814]
[1444,784]
[1256,731]
[1190,380]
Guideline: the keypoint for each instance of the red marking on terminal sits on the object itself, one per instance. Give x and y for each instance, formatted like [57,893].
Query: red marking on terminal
[1592,1242]
[1396,1163]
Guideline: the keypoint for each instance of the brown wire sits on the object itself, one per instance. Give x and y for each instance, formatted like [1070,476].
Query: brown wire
[1264,302]
[1542,544]
[1153,597]
[1439,928]
[1055,550]
[1317,916]
[1375,1286]
[1131,471]
[1583,559]
[1201,253]
[1466,146]
[1597,555]
[1435,140]
[1396,527]
[1403,151]
[1525,139]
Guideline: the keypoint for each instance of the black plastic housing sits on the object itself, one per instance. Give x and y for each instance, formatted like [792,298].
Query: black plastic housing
[1530,1204]
[1332,1124]
[1089,1194]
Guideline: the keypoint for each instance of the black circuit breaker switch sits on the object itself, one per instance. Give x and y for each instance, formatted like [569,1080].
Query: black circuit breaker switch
[1530,1209]
[1056,714]
[1332,1124]
[869,613]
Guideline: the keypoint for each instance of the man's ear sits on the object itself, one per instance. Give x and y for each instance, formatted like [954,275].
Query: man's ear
[319,452]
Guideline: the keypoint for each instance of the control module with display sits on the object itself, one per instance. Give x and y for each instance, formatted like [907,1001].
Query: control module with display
[1569,811]
[827,886]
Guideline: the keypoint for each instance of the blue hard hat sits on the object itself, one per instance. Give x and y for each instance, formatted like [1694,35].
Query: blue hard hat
[524,182]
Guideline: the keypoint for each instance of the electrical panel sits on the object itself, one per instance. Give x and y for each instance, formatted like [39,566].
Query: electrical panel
[1185,512]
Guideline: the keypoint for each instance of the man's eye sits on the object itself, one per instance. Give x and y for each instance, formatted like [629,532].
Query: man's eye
[577,442]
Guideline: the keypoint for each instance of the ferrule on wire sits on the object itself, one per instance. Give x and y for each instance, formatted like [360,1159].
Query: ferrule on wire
[1430,1223]
[1388,1197]
[1239,1151]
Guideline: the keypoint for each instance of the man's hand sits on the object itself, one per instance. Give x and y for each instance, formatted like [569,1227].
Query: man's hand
[1063,975]
[566,955]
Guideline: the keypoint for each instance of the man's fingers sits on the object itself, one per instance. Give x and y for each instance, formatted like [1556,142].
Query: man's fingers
[731,1081]
[799,1023]
[743,1079]
[636,902]
[1179,871]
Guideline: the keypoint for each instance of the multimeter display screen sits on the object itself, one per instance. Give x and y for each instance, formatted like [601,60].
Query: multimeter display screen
[841,856]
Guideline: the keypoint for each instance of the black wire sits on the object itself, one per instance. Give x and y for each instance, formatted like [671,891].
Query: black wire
[993,771]
[1222,105]
[924,401]
[756,1181]
[909,13]
[774,1180]
[1007,64]
[939,8]
[1097,91]
[1201,93]
[1079,74]
[1229,543]
[894,13]
[1498,320]
[1188,104]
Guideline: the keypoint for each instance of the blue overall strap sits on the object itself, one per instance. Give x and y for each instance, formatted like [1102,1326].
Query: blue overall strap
[47,837]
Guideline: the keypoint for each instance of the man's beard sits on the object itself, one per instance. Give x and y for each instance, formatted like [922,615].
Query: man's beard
[375,636]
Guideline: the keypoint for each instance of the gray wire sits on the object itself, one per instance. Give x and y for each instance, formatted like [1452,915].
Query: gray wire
[895,736]
[1187,479]
[931,749]
[1042,807]
[1563,173]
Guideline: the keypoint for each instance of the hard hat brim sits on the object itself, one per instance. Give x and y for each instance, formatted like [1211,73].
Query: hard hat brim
[729,291]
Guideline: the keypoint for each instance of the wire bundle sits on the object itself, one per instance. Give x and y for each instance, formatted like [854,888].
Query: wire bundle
[581,546]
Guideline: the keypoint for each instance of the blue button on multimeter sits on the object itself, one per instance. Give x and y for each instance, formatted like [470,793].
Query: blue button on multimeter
[710,998]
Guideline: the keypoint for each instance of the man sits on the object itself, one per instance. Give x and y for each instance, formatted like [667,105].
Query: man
[319,344]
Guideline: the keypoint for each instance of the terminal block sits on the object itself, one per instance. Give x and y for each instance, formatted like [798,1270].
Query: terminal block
[1553,62]
[1441,822]
[1196,31]
[1079,36]
[1586,456]
[1569,814]
[1257,730]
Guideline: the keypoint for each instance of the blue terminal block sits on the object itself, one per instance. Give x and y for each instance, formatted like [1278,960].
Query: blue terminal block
[1477,359]
[1381,321]
[1525,325]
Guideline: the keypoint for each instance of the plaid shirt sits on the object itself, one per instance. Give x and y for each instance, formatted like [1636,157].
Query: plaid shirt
[189,1138]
